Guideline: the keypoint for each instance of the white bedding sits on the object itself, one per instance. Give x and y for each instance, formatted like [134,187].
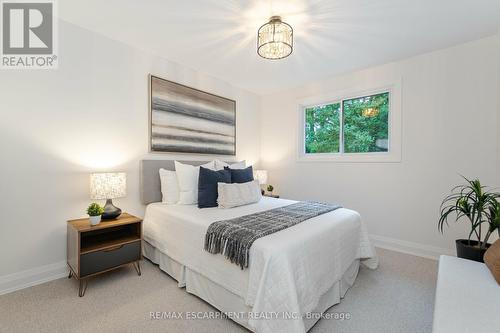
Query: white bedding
[288,271]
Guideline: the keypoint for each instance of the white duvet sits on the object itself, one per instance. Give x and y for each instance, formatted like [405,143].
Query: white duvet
[288,271]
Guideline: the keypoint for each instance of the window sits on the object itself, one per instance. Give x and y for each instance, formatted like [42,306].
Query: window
[366,124]
[322,129]
[349,126]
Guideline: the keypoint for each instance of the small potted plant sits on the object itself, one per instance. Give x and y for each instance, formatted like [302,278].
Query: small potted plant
[95,211]
[473,203]
[270,189]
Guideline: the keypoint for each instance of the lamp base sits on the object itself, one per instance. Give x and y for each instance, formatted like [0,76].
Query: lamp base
[111,211]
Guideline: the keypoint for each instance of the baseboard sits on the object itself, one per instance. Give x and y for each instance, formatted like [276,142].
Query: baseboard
[416,249]
[38,275]
[32,277]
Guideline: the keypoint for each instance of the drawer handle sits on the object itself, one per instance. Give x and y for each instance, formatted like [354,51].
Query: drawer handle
[114,248]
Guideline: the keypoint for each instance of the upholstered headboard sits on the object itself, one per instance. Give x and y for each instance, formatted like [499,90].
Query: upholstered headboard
[150,177]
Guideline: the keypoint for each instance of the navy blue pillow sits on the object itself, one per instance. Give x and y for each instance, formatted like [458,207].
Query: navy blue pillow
[241,175]
[207,186]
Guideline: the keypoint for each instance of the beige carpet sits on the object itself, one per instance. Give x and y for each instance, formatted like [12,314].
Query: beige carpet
[397,297]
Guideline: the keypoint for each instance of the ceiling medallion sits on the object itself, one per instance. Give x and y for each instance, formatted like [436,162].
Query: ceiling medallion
[275,39]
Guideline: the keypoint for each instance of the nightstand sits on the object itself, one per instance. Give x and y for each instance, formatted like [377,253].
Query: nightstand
[93,250]
[271,195]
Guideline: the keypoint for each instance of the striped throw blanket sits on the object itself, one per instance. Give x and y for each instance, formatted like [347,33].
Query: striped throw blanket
[233,238]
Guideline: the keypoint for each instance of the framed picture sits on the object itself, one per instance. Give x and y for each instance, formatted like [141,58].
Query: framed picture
[188,120]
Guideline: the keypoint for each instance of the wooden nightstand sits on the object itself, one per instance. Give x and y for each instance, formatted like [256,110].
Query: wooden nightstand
[93,250]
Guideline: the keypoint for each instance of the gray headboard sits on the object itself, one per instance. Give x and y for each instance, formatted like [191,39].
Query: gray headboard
[150,177]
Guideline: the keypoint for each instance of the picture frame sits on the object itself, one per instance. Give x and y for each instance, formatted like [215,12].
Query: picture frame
[187,120]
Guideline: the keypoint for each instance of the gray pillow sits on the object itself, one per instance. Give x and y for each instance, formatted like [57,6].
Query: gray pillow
[234,195]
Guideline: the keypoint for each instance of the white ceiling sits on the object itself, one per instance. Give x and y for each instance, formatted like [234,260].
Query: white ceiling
[218,37]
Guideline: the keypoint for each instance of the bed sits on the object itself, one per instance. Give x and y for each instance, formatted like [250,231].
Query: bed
[294,275]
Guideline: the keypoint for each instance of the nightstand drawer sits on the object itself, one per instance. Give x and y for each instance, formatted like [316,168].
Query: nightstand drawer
[105,259]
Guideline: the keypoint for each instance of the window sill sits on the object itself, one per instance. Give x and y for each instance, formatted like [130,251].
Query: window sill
[351,158]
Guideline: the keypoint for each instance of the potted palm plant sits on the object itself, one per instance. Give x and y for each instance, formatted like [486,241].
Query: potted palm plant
[471,202]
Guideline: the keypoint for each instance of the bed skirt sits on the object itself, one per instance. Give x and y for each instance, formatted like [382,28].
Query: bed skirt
[226,301]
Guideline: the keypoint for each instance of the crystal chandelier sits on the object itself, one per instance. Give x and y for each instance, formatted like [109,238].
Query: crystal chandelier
[275,39]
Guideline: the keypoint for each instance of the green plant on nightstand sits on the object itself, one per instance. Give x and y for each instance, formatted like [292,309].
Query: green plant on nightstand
[270,189]
[95,211]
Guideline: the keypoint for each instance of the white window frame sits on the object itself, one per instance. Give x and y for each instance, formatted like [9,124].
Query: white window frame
[393,154]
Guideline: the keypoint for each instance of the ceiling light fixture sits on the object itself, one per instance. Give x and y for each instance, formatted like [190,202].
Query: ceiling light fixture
[275,39]
[370,112]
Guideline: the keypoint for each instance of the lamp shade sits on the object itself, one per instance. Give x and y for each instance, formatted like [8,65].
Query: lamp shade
[108,185]
[261,176]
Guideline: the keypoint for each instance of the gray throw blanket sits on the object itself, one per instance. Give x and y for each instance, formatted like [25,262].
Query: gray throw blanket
[233,238]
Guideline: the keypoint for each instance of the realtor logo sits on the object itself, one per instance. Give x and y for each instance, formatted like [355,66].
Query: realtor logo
[28,35]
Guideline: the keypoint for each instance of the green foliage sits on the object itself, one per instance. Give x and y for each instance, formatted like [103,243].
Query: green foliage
[361,132]
[270,188]
[95,209]
[478,206]
[323,129]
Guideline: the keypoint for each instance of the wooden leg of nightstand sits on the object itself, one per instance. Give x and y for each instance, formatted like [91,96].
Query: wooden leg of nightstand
[70,274]
[137,266]
[82,288]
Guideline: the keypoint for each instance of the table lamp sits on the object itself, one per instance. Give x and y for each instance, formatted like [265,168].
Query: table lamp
[108,186]
[261,176]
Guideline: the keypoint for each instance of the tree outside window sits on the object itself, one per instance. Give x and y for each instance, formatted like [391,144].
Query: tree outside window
[357,125]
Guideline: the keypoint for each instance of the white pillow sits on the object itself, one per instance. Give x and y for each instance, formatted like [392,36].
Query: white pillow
[169,186]
[187,178]
[234,195]
[219,165]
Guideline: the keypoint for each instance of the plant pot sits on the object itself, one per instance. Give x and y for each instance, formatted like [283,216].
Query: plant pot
[95,220]
[470,250]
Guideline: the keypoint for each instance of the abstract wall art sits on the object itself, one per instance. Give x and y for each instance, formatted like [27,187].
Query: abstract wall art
[188,120]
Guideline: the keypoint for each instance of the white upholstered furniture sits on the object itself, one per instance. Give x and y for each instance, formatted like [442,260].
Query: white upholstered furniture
[467,298]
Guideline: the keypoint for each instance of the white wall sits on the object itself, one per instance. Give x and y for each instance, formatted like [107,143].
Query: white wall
[450,110]
[89,115]
[498,114]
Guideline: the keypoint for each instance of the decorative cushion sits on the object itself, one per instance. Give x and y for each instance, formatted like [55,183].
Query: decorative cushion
[207,186]
[241,175]
[169,186]
[187,178]
[234,195]
[492,260]
[220,165]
